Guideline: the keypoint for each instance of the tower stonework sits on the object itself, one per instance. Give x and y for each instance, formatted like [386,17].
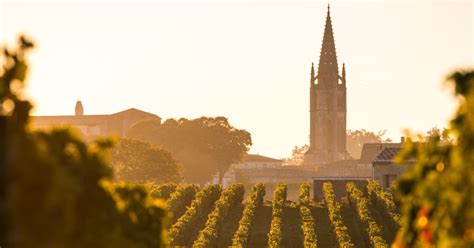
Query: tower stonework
[79,109]
[327,105]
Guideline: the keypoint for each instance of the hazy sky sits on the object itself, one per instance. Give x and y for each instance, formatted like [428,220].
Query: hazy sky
[246,60]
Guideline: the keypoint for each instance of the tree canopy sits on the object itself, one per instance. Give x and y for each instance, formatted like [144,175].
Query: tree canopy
[55,188]
[437,193]
[137,161]
[297,155]
[355,140]
[204,146]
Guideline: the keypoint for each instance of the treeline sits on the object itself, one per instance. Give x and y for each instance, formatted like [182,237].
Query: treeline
[204,146]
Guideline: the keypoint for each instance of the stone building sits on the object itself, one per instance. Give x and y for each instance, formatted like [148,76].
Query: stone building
[254,168]
[256,161]
[371,150]
[261,169]
[385,170]
[327,105]
[95,125]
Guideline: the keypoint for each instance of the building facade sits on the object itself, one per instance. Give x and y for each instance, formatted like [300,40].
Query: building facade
[253,166]
[385,170]
[256,161]
[95,125]
[327,105]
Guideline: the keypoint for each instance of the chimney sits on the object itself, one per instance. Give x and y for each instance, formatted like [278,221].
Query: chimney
[79,109]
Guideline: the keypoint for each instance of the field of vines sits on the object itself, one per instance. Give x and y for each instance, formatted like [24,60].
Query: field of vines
[213,216]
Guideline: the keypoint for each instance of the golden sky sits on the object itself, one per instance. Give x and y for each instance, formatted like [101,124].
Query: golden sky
[246,60]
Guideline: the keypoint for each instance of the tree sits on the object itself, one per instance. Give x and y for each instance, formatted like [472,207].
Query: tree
[204,146]
[355,140]
[437,192]
[138,161]
[56,189]
[443,134]
[297,155]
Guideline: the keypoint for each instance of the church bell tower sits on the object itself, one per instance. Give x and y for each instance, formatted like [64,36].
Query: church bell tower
[327,105]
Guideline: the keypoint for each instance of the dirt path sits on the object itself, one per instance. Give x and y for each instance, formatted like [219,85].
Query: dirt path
[323,229]
[263,219]
[291,227]
[355,227]
[389,229]
[231,223]
[201,222]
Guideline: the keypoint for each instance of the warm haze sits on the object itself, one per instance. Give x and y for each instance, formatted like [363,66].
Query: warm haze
[249,61]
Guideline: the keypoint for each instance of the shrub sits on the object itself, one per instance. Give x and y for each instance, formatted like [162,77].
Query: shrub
[275,234]
[229,198]
[57,190]
[307,219]
[254,201]
[185,227]
[373,229]
[334,211]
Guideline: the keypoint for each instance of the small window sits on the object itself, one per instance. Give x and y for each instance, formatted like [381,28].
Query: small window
[388,179]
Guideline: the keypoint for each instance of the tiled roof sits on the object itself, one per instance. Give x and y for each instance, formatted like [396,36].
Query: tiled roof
[371,150]
[387,155]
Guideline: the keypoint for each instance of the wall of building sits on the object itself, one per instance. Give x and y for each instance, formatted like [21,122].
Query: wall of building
[258,165]
[381,171]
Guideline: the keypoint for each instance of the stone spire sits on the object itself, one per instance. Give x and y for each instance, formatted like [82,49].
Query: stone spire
[328,70]
[313,77]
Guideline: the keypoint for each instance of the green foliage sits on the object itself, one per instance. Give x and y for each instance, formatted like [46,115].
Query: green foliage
[307,219]
[307,225]
[355,140]
[204,146]
[297,155]
[185,227]
[229,198]
[304,193]
[56,190]
[334,211]
[437,192]
[162,191]
[373,229]
[137,161]
[254,201]
[443,134]
[275,235]
[141,217]
[180,199]
[377,194]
